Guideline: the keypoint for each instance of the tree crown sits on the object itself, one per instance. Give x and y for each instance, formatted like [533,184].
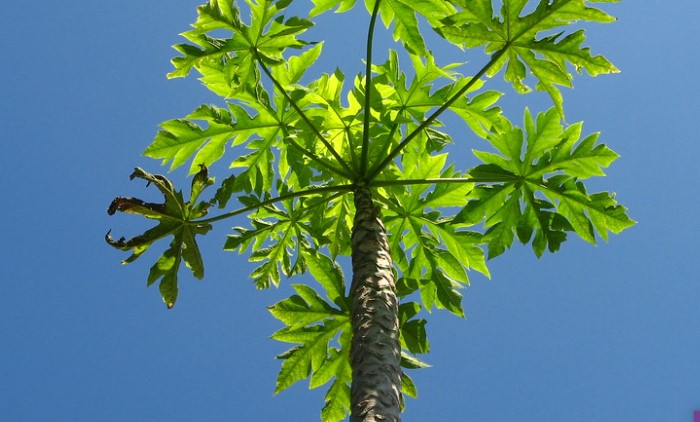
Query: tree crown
[301,143]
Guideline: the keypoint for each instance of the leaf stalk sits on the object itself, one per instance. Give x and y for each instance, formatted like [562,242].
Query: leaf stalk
[368,90]
[346,172]
[339,189]
[436,181]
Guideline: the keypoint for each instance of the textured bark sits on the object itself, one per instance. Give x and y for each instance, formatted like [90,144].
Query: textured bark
[375,352]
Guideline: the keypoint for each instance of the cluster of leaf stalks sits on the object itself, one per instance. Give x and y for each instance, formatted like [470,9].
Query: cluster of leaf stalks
[323,169]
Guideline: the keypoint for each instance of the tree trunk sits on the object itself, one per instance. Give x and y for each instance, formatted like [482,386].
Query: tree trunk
[375,353]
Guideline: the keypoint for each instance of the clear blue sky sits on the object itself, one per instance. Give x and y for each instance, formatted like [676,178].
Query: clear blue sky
[605,333]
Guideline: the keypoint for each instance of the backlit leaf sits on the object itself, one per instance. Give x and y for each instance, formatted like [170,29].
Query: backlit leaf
[519,36]
[234,61]
[538,189]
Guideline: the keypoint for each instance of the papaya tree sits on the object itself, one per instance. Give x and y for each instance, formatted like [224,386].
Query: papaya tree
[326,166]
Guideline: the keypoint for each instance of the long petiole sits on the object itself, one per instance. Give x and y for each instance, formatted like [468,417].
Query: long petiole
[305,192]
[435,181]
[348,172]
[368,91]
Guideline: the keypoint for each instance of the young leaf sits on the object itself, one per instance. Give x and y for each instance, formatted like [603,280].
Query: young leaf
[338,215]
[408,387]
[176,218]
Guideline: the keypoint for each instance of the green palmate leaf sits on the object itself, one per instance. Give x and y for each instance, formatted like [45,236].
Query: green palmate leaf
[183,139]
[279,242]
[276,257]
[588,214]
[321,104]
[404,102]
[259,174]
[404,15]
[261,132]
[175,218]
[338,217]
[295,66]
[230,65]
[541,192]
[439,252]
[321,333]
[519,36]
[463,250]
[304,308]
[414,340]
[340,123]
[313,324]
[225,191]
[499,207]
[412,362]
[308,358]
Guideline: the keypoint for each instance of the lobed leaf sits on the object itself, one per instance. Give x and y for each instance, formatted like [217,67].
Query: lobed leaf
[432,252]
[404,16]
[278,240]
[322,6]
[517,35]
[176,218]
[337,400]
[313,324]
[406,102]
[329,274]
[544,162]
[229,66]
[321,333]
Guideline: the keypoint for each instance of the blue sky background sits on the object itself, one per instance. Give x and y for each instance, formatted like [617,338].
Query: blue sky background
[604,333]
